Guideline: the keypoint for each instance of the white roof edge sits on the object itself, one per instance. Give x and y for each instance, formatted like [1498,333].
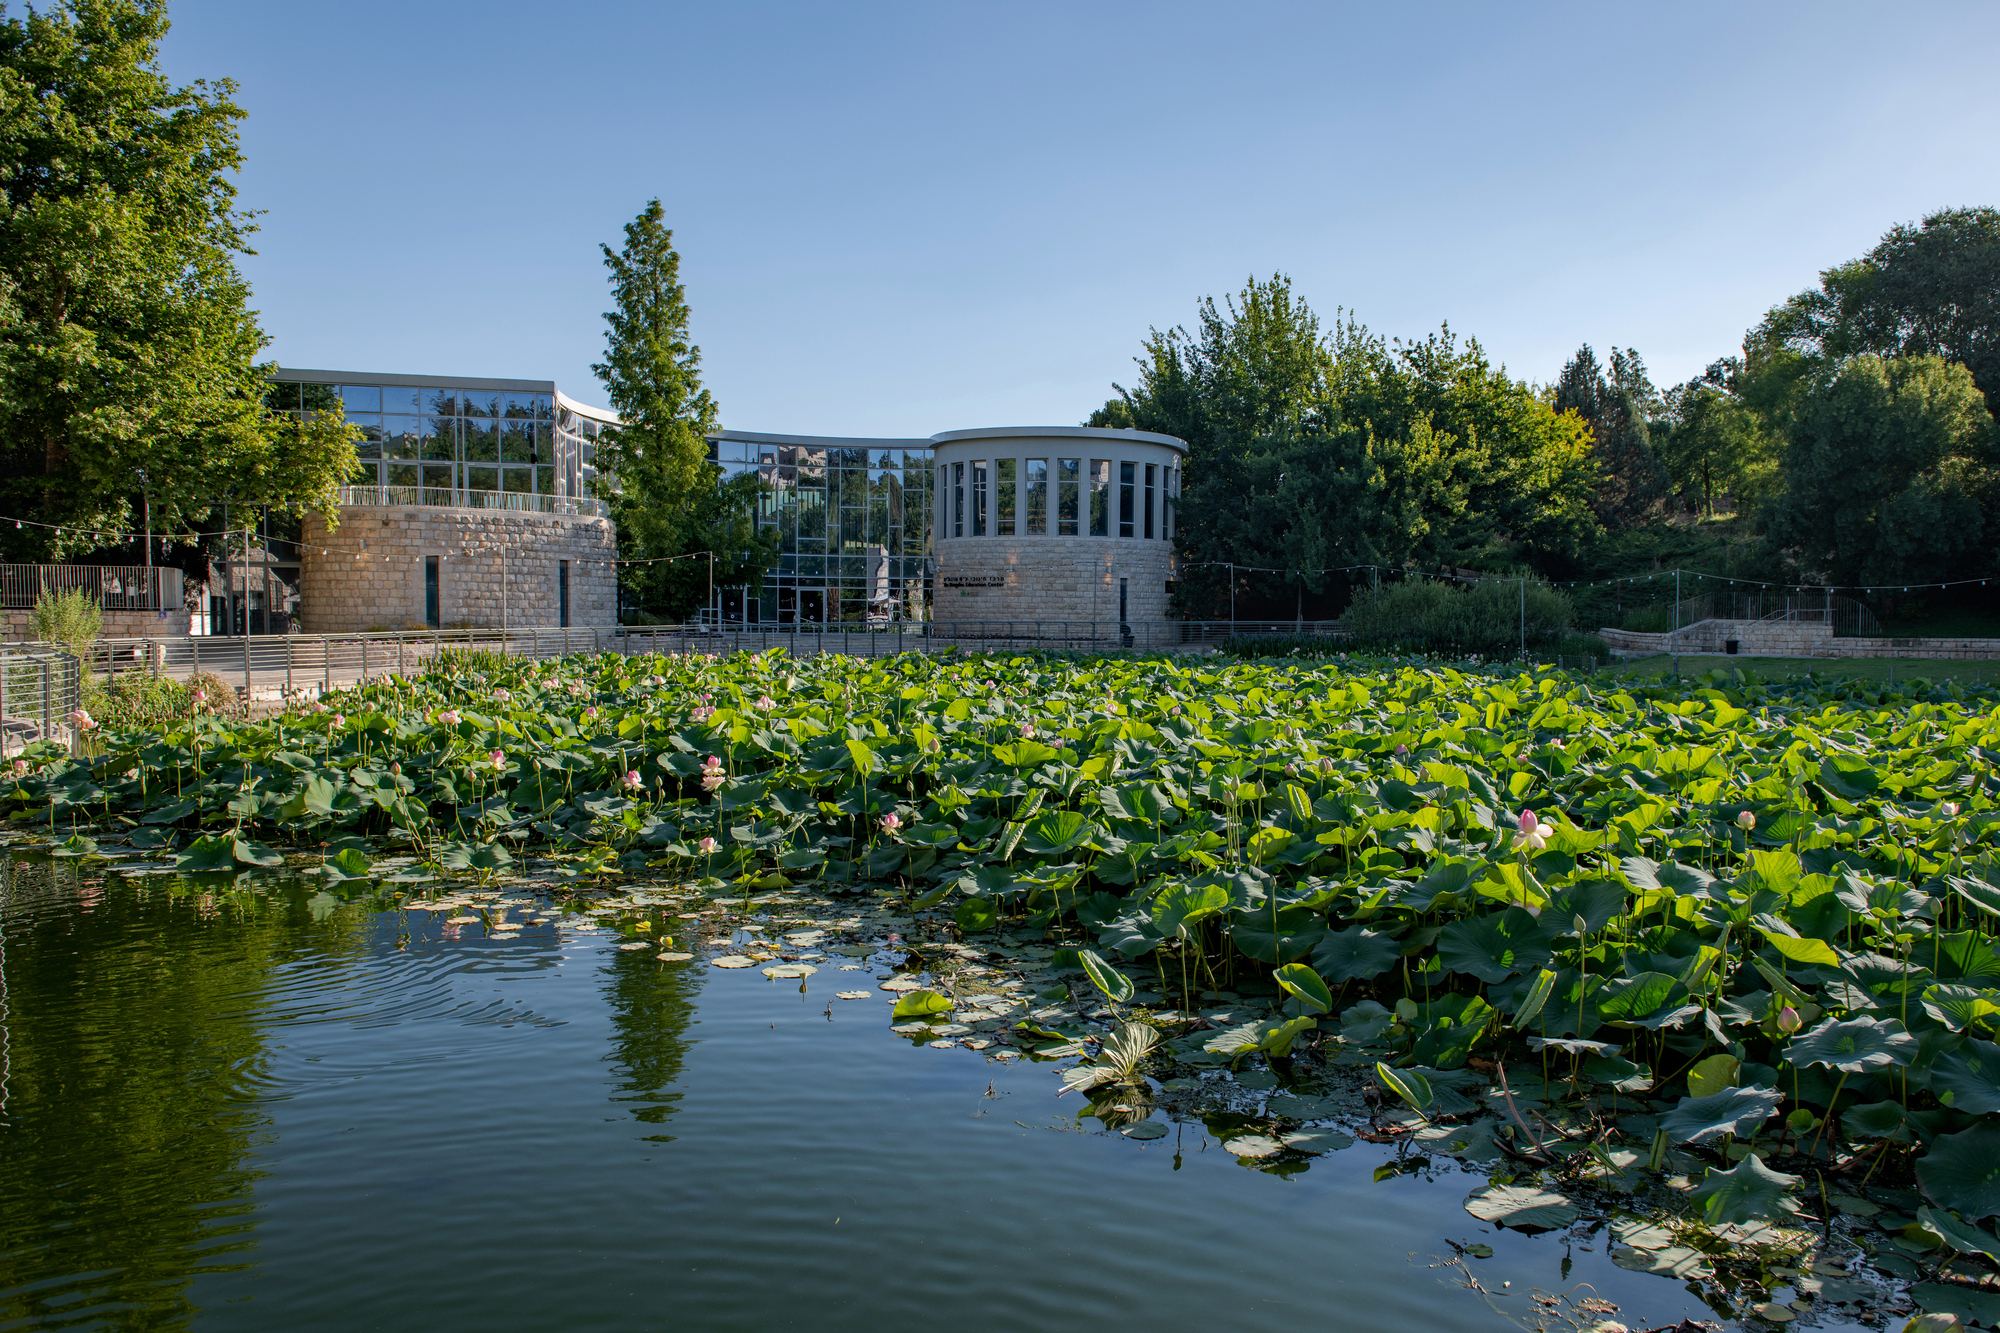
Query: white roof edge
[825,441]
[604,414]
[1062,433]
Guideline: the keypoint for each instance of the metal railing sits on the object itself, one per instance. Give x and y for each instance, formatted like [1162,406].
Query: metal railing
[39,688]
[883,638]
[116,587]
[572,505]
[1848,617]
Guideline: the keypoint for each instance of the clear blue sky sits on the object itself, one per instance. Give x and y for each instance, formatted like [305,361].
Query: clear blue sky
[900,219]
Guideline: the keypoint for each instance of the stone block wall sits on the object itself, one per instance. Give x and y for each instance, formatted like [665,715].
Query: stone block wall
[369,572]
[1779,638]
[1052,579]
[117,625]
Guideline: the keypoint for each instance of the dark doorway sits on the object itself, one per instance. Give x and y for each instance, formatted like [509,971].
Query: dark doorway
[562,593]
[812,606]
[431,599]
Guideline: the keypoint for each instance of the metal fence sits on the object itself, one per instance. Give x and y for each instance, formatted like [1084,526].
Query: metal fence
[116,587]
[39,688]
[575,506]
[1848,617]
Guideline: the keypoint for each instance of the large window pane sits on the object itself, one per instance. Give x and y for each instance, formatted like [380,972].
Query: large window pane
[545,479]
[361,398]
[1035,498]
[443,402]
[478,403]
[1069,471]
[482,442]
[1003,497]
[517,442]
[402,398]
[979,497]
[1100,497]
[440,438]
[958,499]
[318,397]
[519,480]
[1128,483]
[401,474]
[518,405]
[1151,471]
[482,478]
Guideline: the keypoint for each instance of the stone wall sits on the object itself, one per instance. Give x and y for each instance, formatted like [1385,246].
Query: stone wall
[371,575]
[117,625]
[1052,579]
[1782,638]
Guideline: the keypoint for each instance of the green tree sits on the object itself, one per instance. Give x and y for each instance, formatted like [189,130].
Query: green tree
[1888,473]
[126,338]
[1713,443]
[666,495]
[1632,487]
[1926,290]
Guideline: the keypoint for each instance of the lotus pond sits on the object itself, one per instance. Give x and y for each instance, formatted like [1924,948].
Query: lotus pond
[1134,989]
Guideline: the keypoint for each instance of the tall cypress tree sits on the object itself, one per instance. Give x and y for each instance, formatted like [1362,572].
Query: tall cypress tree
[666,497]
[1632,487]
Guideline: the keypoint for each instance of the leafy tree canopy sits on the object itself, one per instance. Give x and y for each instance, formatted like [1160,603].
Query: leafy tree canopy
[1888,473]
[126,341]
[1312,449]
[1632,486]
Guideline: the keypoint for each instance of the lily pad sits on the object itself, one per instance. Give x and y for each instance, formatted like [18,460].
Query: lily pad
[855,995]
[1317,1140]
[733,960]
[1962,1172]
[1854,1046]
[1968,1079]
[1253,1145]
[1747,1192]
[1520,1206]
[1145,1129]
[1738,1111]
[673,956]
[1354,954]
[786,971]
[920,1004]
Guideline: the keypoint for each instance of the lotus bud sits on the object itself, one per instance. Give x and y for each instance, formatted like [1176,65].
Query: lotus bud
[1949,809]
[396,768]
[1402,749]
[708,847]
[1789,1020]
[1746,821]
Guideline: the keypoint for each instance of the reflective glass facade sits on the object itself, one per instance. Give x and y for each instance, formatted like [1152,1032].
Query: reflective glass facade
[853,521]
[490,437]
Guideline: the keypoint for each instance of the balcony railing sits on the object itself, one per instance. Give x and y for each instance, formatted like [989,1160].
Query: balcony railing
[571,505]
[116,587]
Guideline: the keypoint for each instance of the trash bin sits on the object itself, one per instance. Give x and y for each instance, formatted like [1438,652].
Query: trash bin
[1729,646]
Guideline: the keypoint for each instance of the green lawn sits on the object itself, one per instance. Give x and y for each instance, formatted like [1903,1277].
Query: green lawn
[1778,668]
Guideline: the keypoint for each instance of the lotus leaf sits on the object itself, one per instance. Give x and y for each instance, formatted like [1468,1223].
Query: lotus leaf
[1747,1192]
[1738,1111]
[1962,1171]
[1713,1075]
[1958,1007]
[1494,946]
[1299,980]
[1277,937]
[1854,1045]
[916,1004]
[1520,1206]
[1960,1236]
[1354,954]
[1117,987]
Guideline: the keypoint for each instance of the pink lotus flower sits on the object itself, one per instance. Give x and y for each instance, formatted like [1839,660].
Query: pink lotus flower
[766,703]
[339,721]
[1027,731]
[502,695]
[712,775]
[703,713]
[83,720]
[708,847]
[890,823]
[1402,749]
[1745,820]
[1949,809]
[590,712]
[20,768]
[1532,836]
[632,779]
[201,696]
[498,759]
[449,717]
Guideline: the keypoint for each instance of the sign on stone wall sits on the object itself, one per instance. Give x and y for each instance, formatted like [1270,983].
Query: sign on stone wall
[975,580]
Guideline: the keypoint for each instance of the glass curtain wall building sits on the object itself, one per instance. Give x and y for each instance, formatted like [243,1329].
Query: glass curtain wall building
[853,524]
[482,443]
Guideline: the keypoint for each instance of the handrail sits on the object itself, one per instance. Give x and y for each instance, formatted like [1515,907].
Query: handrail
[574,506]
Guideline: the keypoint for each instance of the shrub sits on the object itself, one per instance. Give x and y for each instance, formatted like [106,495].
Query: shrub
[1483,618]
[140,699]
[1280,645]
[71,619]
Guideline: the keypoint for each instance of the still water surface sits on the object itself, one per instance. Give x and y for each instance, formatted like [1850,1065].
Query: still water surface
[281,1111]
